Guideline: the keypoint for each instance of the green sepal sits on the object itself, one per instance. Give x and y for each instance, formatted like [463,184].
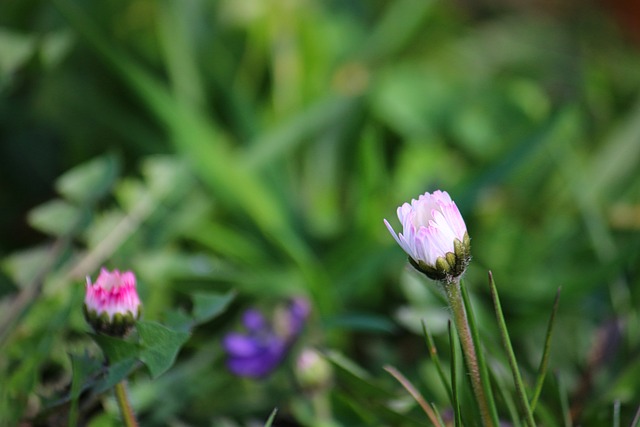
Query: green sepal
[119,326]
[427,270]
[443,266]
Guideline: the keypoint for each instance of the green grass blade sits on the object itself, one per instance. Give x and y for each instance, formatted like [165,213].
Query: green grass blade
[564,401]
[544,362]
[507,398]
[636,419]
[455,401]
[521,393]
[484,372]
[433,354]
[271,418]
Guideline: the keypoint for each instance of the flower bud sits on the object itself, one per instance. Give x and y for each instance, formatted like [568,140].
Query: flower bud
[111,305]
[434,236]
[312,371]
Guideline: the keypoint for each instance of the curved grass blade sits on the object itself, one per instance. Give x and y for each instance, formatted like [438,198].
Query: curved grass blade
[521,393]
[415,394]
[544,362]
[484,372]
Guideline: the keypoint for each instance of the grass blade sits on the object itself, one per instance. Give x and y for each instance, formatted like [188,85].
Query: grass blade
[455,401]
[506,342]
[507,398]
[636,419]
[564,401]
[482,365]
[433,354]
[271,418]
[544,362]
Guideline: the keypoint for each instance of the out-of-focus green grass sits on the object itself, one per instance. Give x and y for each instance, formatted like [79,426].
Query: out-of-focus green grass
[287,131]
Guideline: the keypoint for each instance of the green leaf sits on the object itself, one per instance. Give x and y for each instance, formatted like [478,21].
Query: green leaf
[160,346]
[362,322]
[208,305]
[16,50]
[116,372]
[89,181]
[82,367]
[360,381]
[116,349]
[56,217]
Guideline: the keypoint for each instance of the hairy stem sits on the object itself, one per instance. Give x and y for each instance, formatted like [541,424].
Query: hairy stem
[128,416]
[461,321]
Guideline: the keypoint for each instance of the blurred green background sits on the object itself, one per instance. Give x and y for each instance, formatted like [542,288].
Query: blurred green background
[256,146]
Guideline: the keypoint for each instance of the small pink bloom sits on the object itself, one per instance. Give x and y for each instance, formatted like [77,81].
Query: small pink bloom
[112,304]
[431,228]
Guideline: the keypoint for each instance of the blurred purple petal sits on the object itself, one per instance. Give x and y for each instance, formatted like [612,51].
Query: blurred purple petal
[253,320]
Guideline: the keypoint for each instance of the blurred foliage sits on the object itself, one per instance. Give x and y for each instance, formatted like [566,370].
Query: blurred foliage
[254,147]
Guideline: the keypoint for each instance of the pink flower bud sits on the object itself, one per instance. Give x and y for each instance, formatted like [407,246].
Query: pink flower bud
[111,304]
[434,235]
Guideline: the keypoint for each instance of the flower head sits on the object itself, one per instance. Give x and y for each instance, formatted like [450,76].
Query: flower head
[434,235]
[312,371]
[111,304]
[265,344]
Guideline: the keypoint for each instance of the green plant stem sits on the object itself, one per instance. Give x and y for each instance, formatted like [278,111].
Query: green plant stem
[461,321]
[128,416]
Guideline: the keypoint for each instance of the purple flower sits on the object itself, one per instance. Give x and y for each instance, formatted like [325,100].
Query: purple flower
[262,348]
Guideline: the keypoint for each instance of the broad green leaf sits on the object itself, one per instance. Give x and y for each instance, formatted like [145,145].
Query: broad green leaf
[89,181]
[116,349]
[160,346]
[362,322]
[360,381]
[208,305]
[16,50]
[116,372]
[56,217]
[82,367]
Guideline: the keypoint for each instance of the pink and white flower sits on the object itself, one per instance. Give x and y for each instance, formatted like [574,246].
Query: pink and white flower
[434,235]
[111,304]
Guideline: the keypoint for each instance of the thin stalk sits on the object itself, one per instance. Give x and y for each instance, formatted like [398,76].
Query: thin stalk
[128,416]
[521,393]
[461,321]
[322,407]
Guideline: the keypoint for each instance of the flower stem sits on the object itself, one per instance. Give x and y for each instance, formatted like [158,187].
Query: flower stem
[125,407]
[461,321]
